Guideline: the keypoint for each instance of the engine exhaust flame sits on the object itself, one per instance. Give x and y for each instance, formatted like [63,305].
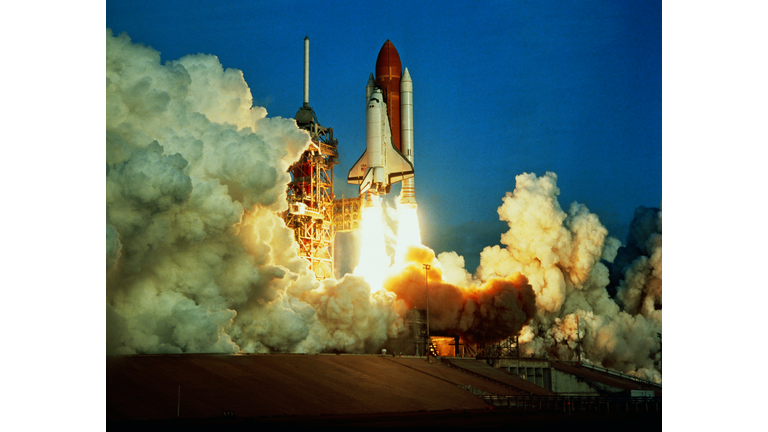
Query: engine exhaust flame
[374,262]
[408,233]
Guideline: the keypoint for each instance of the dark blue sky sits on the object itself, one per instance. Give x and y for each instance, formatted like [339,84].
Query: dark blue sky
[500,88]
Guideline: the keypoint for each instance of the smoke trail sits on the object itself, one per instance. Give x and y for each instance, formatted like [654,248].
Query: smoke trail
[560,253]
[197,259]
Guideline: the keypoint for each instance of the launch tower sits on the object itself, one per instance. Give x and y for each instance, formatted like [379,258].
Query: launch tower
[310,192]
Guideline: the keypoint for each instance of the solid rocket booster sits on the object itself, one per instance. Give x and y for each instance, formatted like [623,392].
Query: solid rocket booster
[389,118]
[406,134]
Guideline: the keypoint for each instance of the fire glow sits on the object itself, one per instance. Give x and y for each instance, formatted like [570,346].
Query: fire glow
[408,233]
[374,264]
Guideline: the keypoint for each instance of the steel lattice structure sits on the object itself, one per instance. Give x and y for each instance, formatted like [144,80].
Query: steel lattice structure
[310,196]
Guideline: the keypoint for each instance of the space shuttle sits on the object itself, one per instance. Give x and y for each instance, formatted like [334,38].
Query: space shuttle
[388,156]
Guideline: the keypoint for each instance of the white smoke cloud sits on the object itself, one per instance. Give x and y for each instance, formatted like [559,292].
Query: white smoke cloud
[197,258]
[560,253]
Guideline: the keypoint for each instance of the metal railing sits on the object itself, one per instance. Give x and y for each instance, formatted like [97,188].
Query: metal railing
[575,403]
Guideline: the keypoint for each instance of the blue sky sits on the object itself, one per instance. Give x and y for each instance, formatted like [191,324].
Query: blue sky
[500,88]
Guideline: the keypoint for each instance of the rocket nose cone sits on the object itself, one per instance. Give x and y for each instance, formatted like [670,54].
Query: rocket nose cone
[388,63]
[406,76]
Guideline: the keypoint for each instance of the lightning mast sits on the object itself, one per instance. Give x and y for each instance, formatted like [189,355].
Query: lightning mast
[310,192]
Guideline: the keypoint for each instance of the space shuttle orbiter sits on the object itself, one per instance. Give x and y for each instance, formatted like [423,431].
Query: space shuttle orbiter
[383,162]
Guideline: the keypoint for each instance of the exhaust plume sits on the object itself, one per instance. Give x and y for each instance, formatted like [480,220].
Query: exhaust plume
[561,255]
[483,313]
[640,290]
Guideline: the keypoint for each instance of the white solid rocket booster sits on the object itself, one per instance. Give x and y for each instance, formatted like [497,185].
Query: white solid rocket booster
[406,134]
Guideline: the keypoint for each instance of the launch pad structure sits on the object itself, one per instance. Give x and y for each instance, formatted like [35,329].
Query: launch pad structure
[310,192]
[313,215]
[310,196]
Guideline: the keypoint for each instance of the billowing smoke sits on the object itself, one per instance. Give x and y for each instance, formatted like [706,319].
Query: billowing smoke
[639,265]
[560,253]
[490,312]
[197,258]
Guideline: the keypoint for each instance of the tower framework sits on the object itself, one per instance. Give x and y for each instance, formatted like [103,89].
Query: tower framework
[310,196]
[310,192]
